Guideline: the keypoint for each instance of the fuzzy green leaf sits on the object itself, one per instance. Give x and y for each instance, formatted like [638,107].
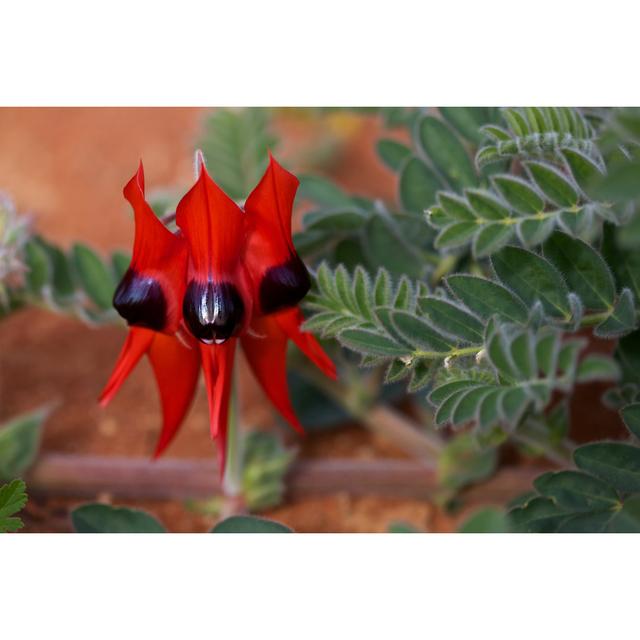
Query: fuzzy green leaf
[490,239]
[584,270]
[614,462]
[553,184]
[96,279]
[451,319]
[485,205]
[446,152]
[532,278]
[19,443]
[520,195]
[418,186]
[455,235]
[577,491]
[103,518]
[371,343]
[631,416]
[393,153]
[13,497]
[622,319]
[486,298]
[249,524]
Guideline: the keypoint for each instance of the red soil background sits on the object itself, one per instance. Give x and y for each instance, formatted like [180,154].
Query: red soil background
[66,168]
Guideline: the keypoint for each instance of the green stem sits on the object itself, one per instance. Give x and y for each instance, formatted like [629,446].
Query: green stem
[232,479]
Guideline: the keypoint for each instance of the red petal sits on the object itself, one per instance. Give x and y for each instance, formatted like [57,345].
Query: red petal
[213,226]
[270,206]
[280,279]
[176,367]
[266,350]
[290,322]
[217,364]
[159,260]
[136,345]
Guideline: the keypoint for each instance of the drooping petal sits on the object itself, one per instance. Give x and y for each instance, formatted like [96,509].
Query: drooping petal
[151,291]
[265,347]
[217,302]
[290,321]
[217,365]
[176,367]
[279,278]
[138,342]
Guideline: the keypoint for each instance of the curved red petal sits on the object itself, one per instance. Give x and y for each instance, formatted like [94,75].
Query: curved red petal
[217,303]
[279,277]
[266,350]
[290,322]
[176,367]
[217,365]
[150,294]
[135,346]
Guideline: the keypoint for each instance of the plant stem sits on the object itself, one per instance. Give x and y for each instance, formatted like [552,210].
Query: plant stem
[232,479]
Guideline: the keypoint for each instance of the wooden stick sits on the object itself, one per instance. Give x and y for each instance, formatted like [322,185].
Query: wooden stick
[83,476]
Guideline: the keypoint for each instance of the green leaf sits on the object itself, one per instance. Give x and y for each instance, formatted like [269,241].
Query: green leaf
[486,205]
[596,366]
[455,207]
[368,342]
[487,520]
[96,280]
[39,272]
[19,443]
[585,171]
[577,491]
[335,220]
[584,270]
[631,416]
[450,319]
[249,524]
[466,407]
[488,412]
[614,462]
[532,278]
[622,319]
[236,144]
[446,152]
[103,518]
[392,153]
[323,192]
[13,498]
[467,121]
[419,333]
[553,184]
[590,522]
[418,186]
[442,392]
[491,238]
[362,293]
[382,288]
[627,520]
[62,279]
[498,134]
[519,194]
[516,122]
[486,298]
[538,515]
[455,235]
[533,232]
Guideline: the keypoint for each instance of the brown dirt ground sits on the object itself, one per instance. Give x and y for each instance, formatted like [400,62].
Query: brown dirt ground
[66,167]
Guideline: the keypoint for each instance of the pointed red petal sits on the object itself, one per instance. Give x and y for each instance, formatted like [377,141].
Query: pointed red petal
[217,303]
[176,367]
[266,350]
[213,225]
[279,277]
[217,365]
[136,345]
[151,292]
[290,322]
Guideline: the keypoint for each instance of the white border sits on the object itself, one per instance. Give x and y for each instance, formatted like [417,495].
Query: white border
[330,52]
[319,586]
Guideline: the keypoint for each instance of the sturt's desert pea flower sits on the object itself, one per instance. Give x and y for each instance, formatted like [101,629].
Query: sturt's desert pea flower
[227,275]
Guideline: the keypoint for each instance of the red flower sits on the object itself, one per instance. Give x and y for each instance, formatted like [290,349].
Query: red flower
[189,297]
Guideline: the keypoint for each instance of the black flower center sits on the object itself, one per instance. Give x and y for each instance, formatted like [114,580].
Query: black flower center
[213,311]
[284,285]
[140,301]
